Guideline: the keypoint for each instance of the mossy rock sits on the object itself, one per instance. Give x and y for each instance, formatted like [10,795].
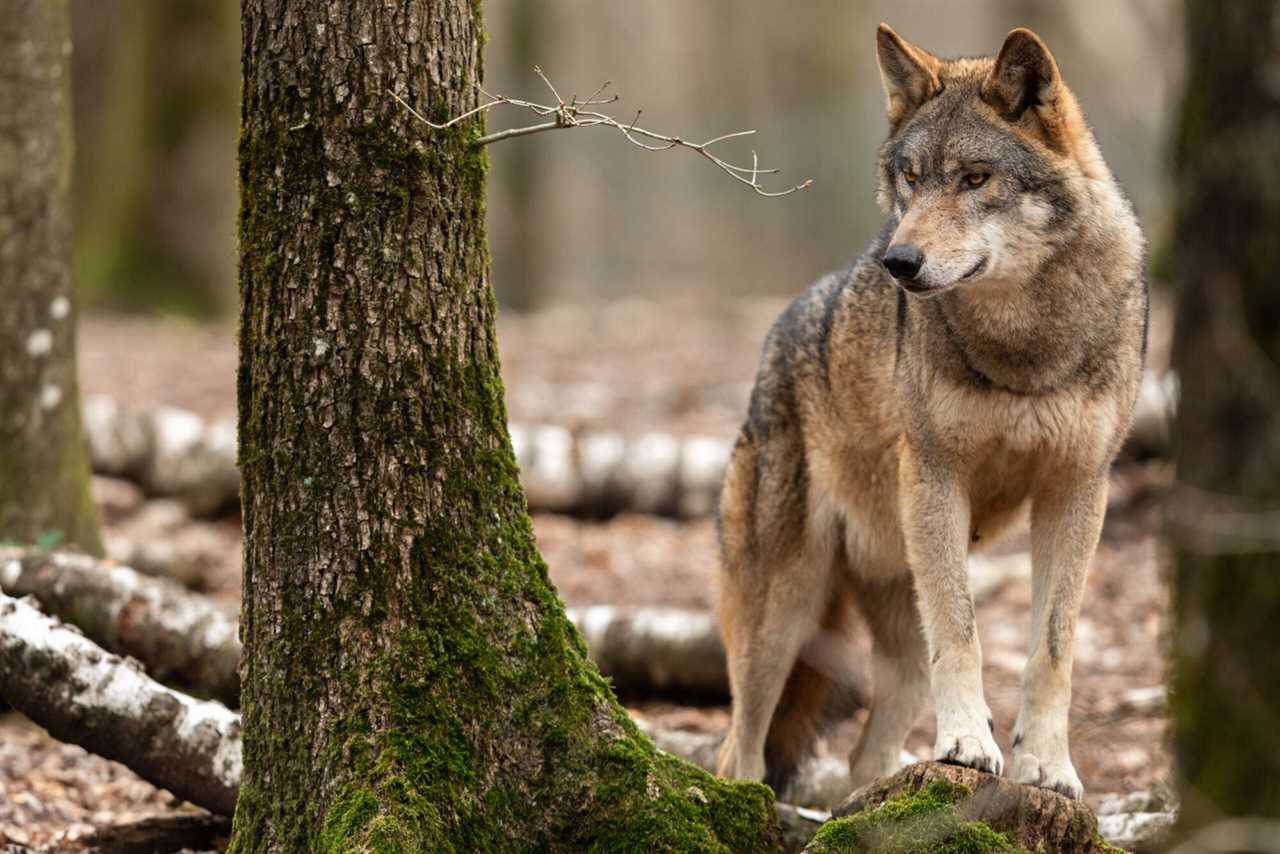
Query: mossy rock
[932,808]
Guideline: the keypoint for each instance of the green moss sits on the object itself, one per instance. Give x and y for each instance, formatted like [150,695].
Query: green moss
[923,822]
[1106,847]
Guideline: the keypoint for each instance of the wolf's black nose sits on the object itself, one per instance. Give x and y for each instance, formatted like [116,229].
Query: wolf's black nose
[903,261]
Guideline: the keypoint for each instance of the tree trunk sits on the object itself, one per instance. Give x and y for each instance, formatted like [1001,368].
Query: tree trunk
[1226,673]
[410,679]
[44,470]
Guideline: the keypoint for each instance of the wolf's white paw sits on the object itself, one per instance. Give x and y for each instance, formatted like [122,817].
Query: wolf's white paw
[971,746]
[1059,775]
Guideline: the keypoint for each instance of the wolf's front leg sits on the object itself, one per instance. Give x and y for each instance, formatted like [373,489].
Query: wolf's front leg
[935,524]
[1066,520]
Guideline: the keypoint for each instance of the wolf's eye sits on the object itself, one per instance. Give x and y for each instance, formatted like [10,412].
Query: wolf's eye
[976,179]
[910,176]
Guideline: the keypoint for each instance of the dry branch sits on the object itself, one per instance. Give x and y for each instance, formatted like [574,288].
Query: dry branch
[576,113]
[84,695]
[178,636]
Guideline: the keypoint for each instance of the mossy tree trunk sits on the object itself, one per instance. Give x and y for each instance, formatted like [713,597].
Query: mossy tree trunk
[44,469]
[1227,565]
[410,681]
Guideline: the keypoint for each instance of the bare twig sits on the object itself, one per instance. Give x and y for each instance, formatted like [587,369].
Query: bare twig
[576,113]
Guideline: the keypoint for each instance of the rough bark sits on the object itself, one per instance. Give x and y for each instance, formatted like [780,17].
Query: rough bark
[1226,587]
[410,679]
[178,636]
[84,695]
[44,472]
[939,807]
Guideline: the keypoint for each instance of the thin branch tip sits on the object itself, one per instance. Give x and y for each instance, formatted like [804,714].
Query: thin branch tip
[574,113]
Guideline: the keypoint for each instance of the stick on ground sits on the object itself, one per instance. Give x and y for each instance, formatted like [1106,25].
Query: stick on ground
[180,636]
[84,695]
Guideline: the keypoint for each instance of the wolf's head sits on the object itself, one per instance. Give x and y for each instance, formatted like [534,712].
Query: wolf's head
[984,168]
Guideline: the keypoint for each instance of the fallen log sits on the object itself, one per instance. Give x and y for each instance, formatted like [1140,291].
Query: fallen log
[106,704]
[188,831]
[86,696]
[167,451]
[183,637]
[179,636]
[656,650]
[173,452]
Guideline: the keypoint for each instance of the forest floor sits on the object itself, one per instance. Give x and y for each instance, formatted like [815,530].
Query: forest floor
[680,368]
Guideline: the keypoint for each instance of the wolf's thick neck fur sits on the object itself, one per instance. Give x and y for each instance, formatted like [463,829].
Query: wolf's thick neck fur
[1059,323]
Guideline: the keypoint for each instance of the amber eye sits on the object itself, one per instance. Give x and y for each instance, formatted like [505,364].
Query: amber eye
[910,176]
[976,179]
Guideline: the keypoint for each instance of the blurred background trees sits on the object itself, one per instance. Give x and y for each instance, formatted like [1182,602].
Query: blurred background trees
[156,105]
[1224,523]
[584,216]
[44,466]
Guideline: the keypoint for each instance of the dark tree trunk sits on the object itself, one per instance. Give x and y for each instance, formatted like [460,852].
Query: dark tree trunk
[44,468]
[1227,566]
[410,681]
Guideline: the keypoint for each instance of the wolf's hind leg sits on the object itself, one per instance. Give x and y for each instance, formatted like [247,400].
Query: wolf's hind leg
[764,631]
[900,674]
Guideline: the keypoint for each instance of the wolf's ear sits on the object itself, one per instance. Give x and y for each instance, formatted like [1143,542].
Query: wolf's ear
[1025,75]
[909,74]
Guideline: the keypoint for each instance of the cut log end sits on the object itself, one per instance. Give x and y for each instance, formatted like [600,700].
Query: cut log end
[938,803]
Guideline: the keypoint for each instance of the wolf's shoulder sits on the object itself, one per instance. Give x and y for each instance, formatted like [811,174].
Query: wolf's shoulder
[859,293]
[856,307]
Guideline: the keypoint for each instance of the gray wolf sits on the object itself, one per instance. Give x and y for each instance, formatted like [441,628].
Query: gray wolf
[979,363]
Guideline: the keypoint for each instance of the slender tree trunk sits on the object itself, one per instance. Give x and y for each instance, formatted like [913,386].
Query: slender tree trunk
[1227,567]
[44,469]
[410,680]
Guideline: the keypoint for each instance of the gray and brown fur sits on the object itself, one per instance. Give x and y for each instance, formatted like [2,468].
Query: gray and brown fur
[894,425]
